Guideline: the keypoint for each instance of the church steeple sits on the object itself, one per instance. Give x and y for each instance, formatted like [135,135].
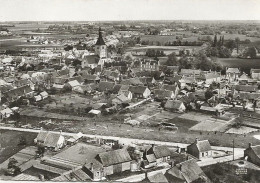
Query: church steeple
[100,40]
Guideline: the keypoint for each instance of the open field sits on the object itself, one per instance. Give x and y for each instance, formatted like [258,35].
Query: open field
[9,141]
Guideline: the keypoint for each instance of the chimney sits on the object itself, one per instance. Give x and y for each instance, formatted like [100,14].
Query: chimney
[250,145]
[196,140]
[91,167]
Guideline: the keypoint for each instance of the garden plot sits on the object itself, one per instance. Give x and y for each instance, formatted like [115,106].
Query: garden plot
[242,130]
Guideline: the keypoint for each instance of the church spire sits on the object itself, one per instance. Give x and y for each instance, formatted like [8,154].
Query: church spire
[100,40]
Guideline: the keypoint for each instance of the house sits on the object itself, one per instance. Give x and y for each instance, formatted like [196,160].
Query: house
[232,74]
[174,106]
[90,61]
[211,77]
[245,88]
[50,139]
[190,72]
[90,78]
[148,64]
[186,172]
[161,154]
[44,95]
[200,149]
[253,154]
[174,88]
[161,94]
[115,161]
[158,177]
[255,74]
[105,86]
[73,84]
[140,91]
[120,99]
[5,113]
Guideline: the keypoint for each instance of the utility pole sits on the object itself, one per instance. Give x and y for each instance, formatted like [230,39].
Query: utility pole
[233,149]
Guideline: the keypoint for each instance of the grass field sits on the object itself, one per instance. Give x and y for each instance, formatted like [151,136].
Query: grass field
[9,141]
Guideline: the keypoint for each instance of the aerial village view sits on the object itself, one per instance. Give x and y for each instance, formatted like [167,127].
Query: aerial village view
[129,100]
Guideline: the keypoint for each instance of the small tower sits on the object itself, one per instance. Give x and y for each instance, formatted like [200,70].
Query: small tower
[100,47]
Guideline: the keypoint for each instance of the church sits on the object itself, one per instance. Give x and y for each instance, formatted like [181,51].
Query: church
[100,56]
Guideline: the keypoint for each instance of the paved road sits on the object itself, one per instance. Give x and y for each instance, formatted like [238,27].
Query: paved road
[239,152]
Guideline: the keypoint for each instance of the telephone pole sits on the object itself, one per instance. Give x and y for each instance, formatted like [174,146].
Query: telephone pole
[233,149]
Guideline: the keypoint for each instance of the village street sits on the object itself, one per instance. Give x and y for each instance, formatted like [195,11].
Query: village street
[239,152]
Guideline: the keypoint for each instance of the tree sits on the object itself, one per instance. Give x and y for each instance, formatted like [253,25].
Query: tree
[208,94]
[172,60]
[12,163]
[22,141]
[215,41]
[250,52]
[237,40]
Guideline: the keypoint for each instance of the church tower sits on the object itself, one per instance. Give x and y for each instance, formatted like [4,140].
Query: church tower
[100,47]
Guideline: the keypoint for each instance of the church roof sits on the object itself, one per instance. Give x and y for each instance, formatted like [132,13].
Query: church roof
[100,40]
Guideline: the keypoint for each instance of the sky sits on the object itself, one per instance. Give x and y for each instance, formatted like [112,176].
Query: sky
[101,10]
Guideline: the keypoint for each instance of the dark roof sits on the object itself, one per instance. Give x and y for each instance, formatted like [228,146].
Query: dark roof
[158,177]
[169,87]
[161,151]
[256,149]
[100,40]
[104,86]
[162,94]
[173,104]
[203,145]
[188,171]
[92,59]
[114,157]
[137,89]
[246,88]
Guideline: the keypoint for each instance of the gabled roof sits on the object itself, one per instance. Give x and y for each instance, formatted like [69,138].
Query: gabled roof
[161,151]
[202,145]
[91,59]
[173,104]
[188,171]
[256,149]
[255,70]
[51,139]
[233,70]
[137,89]
[158,177]
[169,87]
[190,72]
[162,94]
[114,157]
[106,86]
[246,88]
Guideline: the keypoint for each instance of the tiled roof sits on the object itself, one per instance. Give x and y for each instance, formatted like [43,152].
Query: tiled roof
[114,157]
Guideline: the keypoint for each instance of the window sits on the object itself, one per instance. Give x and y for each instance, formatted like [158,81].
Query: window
[202,154]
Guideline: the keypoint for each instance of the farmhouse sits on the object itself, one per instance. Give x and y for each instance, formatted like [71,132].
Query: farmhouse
[140,91]
[50,139]
[200,149]
[232,74]
[255,74]
[114,161]
[175,105]
[161,154]
[253,154]
[186,172]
